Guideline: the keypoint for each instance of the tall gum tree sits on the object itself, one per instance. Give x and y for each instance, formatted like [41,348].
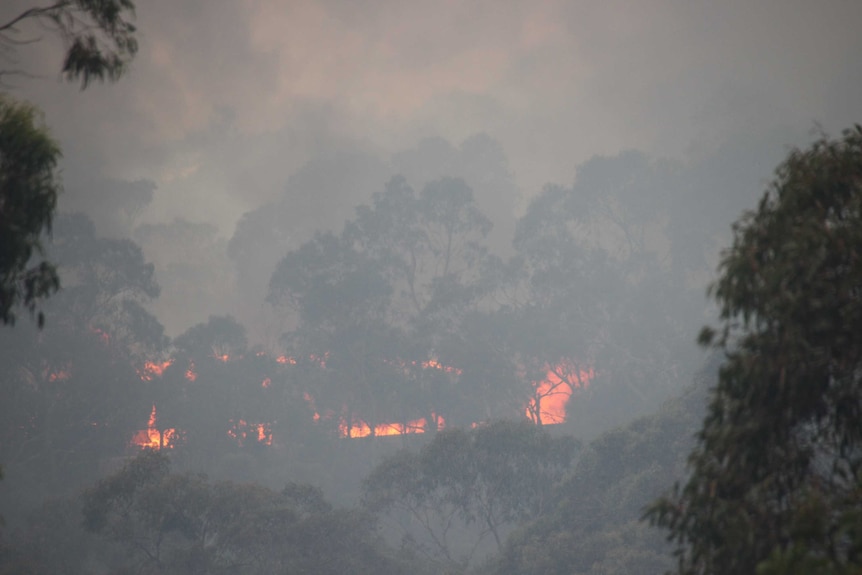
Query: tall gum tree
[28,197]
[381,300]
[775,480]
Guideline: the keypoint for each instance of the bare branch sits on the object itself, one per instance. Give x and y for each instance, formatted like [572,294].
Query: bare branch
[33,13]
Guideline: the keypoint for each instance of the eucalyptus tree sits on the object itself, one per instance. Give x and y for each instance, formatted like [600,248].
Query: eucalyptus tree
[468,486]
[589,292]
[168,522]
[375,305]
[72,392]
[29,185]
[100,41]
[776,474]
[98,37]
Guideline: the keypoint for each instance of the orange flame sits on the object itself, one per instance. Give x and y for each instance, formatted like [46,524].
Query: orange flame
[191,374]
[264,434]
[546,406]
[361,429]
[242,430]
[153,369]
[152,438]
[434,364]
[307,397]
[552,394]
[428,364]
[60,375]
[321,361]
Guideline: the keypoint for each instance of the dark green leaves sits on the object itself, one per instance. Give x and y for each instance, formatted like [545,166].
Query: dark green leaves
[100,41]
[98,35]
[775,474]
[28,196]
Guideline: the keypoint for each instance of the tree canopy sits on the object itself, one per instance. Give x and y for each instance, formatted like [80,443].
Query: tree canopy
[99,36]
[182,523]
[28,196]
[776,474]
[489,478]
[99,42]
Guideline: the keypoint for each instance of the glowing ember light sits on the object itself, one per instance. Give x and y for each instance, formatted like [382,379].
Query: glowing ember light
[264,434]
[242,430]
[429,364]
[307,397]
[191,374]
[104,337]
[152,369]
[547,405]
[550,396]
[237,431]
[60,375]
[361,429]
[434,364]
[152,438]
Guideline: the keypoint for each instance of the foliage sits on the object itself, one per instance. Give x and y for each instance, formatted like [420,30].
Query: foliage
[52,540]
[220,335]
[192,267]
[106,282]
[775,475]
[98,35]
[429,242]
[181,523]
[329,283]
[100,41]
[590,290]
[490,477]
[232,411]
[384,298]
[72,395]
[591,521]
[28,196]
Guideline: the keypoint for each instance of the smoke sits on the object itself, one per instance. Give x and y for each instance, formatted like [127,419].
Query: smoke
[269,85]
[237,114]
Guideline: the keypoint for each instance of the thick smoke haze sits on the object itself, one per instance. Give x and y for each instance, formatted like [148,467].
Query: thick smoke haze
[276,119]
[298,236]
[227,99]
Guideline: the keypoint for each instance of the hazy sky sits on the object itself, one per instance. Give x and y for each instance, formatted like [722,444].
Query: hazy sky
[228,97]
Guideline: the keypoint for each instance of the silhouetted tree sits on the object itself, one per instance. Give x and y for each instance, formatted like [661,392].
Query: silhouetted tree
[490,477]
[376,306]
[181,523]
